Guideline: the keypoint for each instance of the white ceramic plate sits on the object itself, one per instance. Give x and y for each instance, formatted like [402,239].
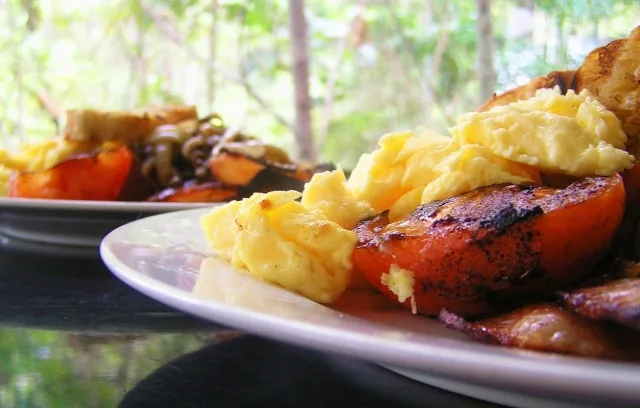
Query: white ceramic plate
[165,257]
[81,225]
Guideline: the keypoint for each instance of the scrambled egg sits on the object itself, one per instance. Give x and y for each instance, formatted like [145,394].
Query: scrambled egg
[306,246]
[302,246]
[572,134]
[327,194]
[400,282]
[43,155]
[5,176]
[550,132]
[428,167]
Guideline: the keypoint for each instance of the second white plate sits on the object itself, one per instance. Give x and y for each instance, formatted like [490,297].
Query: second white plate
[77,224]
[166,258]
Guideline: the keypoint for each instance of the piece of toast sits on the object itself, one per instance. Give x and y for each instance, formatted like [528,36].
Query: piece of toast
[561,79]
[126,126]
[612,74]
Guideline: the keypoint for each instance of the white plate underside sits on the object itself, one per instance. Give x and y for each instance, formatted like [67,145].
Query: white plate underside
[165,257]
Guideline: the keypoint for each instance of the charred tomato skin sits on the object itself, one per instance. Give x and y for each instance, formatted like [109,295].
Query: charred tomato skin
[496,246]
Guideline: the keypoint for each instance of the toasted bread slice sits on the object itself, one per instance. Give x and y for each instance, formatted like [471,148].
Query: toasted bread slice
[562,79]
[612,74]
[126,126]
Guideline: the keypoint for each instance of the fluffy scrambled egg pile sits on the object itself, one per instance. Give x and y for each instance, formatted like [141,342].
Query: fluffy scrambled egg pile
[303,246]
[306,246]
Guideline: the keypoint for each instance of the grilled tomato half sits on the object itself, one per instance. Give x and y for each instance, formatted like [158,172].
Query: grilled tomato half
[100,176]
[493,247]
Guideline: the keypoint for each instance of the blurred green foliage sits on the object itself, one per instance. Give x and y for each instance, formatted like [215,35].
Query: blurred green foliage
[57,369]
[398,65]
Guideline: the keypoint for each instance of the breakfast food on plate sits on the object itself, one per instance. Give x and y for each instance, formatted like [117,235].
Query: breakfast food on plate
[617,301]
[507,220]
[547,327]
[156,154]
[561,79]
[492,247]
[304,246]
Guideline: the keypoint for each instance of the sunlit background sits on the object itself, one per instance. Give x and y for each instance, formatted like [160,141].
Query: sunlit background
[375,66]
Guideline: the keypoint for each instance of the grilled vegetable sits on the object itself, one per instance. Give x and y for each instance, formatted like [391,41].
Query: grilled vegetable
[617,301]
[99,176]
[547,327]
[211,192]
[492,247]
[238,168]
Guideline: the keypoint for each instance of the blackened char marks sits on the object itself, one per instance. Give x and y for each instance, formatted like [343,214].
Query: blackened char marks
[508,216]
[431,209]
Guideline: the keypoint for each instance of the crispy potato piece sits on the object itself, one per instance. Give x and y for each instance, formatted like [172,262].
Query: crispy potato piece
[547,327]
[126,126]
[495,246]
[617,301]
[612,74]
[211,192]
[562,79]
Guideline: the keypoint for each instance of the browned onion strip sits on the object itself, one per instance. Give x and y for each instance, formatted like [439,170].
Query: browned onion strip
[192,144]
[164,165]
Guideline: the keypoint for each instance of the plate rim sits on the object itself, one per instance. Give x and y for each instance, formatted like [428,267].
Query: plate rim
[94,205]
[509,371]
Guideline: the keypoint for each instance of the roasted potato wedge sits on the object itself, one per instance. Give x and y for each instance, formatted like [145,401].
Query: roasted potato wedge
[561,79]
[495,246]
[99,176]
[547,327]
[612,74]
[617,301]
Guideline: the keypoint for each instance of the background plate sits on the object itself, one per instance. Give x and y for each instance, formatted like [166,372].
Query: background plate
[165,257]
[50,224]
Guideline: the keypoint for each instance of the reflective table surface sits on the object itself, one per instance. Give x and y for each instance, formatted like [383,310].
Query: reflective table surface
[72,335]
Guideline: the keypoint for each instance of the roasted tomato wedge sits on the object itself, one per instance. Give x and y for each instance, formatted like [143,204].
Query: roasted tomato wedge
[88,177]
[235,169]
[200,193]
[492,247]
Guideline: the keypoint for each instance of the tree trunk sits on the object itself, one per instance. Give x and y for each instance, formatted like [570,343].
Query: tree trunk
[561,41]
[213,40]
[300,70]
[486,73]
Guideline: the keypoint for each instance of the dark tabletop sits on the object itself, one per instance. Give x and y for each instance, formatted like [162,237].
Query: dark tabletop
[72,335]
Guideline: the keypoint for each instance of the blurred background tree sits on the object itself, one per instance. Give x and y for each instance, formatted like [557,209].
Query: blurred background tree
[351,71]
